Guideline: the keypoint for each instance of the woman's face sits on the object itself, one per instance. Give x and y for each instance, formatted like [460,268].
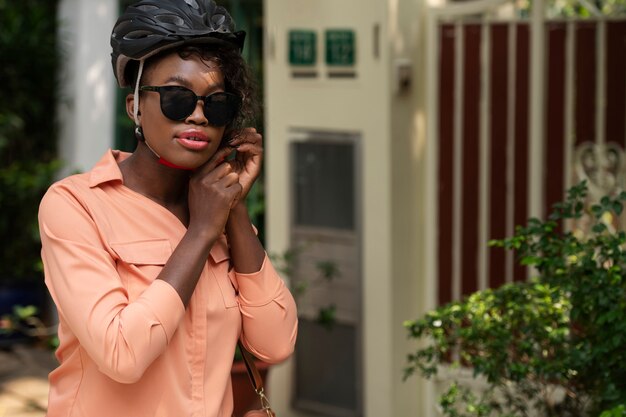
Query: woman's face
[190,142]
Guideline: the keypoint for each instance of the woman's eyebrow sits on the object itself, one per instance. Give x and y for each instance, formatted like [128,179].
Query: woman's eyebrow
[178,79]
[185,83]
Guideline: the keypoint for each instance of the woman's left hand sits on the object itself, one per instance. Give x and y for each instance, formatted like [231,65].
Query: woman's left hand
[247,162]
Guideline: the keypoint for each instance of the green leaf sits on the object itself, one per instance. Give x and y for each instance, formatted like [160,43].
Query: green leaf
[24,312]
[599,228]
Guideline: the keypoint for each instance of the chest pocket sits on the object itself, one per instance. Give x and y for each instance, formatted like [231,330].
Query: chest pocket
[140,262]
[222,273]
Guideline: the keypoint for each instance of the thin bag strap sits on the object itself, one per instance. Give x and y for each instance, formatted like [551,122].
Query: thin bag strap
[253,372]
[255,379]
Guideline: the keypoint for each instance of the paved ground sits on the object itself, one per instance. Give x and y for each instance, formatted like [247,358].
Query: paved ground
[24,381]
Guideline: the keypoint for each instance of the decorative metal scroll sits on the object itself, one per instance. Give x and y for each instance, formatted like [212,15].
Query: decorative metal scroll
[602,165]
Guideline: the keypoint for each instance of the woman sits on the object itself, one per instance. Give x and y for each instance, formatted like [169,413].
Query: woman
[150,258]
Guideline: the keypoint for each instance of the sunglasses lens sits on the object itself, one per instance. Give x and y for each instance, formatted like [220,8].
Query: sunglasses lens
[177,102]
[221,108]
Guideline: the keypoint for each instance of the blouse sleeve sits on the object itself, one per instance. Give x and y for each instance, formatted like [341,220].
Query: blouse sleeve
[270,323]
[121,337]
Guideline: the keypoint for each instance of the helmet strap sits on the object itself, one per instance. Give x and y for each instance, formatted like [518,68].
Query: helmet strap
[136,95]
[138,130]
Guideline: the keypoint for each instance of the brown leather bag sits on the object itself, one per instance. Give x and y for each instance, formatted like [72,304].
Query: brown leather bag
[257,384]
[260,413]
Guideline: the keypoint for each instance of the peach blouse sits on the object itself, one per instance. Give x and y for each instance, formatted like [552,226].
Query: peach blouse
[128,347]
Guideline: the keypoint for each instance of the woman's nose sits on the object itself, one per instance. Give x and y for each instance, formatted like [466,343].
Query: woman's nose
[198,116]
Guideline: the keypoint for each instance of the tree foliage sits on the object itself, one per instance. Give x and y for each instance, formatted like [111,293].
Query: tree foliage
[576,8]
[28,140]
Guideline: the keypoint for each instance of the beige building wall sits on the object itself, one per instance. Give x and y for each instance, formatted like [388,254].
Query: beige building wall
[413,289]
[391,123]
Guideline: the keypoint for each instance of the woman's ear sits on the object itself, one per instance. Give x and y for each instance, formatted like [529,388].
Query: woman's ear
[130,102]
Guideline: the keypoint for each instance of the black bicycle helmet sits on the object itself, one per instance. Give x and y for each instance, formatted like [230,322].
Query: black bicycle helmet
[151,26]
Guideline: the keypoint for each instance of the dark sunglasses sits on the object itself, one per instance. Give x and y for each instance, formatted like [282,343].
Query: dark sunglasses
[177,103]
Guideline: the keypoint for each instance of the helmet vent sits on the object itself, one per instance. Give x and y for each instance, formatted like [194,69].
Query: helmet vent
[193,4]
[170,18]
[218,20]
[121,28]
[137,34]
[146,7]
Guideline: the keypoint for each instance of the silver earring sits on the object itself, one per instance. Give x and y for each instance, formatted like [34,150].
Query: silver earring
[139,133]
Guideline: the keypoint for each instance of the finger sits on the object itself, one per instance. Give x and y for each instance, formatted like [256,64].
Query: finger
[218,157]
[215,175]
[220,171]
[248,130]
[229,179]
[248,159]
[250,148]
[248,135]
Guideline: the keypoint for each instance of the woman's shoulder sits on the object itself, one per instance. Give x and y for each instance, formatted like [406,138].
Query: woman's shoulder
[104,171]
[60,195]
[67,207]
[74,184]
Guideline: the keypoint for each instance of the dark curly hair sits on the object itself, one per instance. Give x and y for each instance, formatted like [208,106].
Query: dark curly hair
[237,77]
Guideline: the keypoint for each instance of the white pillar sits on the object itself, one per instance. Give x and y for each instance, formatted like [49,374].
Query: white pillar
[86,104]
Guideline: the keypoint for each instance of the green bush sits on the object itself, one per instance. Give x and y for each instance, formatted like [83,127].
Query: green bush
[555,344]
[28,139]
[619,411]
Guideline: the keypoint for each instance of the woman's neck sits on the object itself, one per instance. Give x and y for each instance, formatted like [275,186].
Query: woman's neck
[143,173]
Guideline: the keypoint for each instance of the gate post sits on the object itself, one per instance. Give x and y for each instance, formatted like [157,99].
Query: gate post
[536,111]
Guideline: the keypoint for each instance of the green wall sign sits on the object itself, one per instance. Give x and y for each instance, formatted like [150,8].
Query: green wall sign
[340,47]
[302,47]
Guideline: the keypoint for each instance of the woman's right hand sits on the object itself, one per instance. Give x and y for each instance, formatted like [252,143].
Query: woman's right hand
[213,189]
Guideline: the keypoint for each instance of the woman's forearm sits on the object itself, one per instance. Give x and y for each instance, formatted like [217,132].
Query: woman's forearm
[246,250]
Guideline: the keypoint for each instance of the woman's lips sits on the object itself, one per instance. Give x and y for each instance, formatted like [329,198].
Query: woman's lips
[196,145]
[193,139]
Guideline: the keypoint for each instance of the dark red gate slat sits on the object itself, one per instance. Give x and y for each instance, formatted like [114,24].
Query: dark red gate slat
[521,135]
[498,116]
[616,82]
[555,121]
[446,162]
[471,146]
[585,82]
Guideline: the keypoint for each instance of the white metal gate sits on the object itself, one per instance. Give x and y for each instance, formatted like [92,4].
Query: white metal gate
[518,110]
